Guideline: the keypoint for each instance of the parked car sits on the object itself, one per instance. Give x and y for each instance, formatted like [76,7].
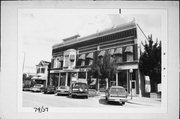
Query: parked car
[78,89]
[26,89]
[37,88]
[62,90]
[50,89]
[116,94]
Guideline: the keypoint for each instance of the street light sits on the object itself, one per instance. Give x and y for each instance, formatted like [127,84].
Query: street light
[131,71]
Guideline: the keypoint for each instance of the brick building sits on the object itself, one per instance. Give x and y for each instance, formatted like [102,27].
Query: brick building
[72,58]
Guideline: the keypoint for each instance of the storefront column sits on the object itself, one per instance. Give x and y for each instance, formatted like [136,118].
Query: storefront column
[66,78]
[77,75]
[59,79]
[116,78]
[139,78]
[86,75]
[128,82]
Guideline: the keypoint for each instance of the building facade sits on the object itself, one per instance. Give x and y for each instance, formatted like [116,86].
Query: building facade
[72,59]
[41,76]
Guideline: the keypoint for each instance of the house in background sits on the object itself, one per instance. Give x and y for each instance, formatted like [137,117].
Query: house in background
[41,76]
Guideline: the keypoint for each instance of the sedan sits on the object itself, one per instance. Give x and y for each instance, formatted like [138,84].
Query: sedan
[116,94]
[37,88]
[62,90]
[50,89]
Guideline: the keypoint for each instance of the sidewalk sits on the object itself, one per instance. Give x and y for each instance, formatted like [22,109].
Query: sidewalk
[144,101]
[139,100]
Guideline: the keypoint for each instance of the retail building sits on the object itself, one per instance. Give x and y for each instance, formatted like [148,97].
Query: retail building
[72,58]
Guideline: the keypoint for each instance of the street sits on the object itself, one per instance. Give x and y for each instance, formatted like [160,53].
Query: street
[32,99]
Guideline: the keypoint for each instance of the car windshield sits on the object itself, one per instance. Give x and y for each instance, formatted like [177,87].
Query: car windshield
[63,87]
[118,90]
[37,85]
[82,85]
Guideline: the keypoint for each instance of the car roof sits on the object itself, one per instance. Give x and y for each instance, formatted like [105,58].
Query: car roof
[117,87]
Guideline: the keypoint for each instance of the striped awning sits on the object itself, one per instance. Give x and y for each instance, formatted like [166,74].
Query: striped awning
[90,55]
[129,49]
[101,54]
[118,51]
[111,51]
[82,57]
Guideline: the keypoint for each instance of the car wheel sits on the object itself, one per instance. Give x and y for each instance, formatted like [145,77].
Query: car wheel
[122,103]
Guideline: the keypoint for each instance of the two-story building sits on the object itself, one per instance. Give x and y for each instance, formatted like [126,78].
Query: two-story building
[72,58]
[41,76]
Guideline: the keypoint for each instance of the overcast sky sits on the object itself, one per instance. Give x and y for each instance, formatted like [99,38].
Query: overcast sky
[41,28]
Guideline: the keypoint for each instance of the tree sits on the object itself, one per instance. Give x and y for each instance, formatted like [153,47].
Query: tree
[103,68]
[150,62]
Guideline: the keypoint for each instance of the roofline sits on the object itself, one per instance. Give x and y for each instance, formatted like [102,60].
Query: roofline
[105,32]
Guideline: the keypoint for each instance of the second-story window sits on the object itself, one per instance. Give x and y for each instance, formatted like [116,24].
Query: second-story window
[66,61]
[118,55]
[90,58]
[82,59]
[72,60]
[38,70]
[101,55]
[43,70]
[129,53]
[61,61]
[111,52]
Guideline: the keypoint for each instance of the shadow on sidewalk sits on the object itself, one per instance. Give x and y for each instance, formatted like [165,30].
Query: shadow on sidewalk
[138,103]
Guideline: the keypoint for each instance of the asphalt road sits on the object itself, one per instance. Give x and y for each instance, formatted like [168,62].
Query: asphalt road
[32,99]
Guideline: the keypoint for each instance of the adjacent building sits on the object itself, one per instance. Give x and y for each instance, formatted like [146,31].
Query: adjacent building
[72,58]
[41,76]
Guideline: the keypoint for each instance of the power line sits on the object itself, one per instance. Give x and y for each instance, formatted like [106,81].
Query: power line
[142,31]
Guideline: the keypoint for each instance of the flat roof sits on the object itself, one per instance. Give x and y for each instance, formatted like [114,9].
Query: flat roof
[105,32]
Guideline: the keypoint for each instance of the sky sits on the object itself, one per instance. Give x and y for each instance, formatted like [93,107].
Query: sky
[40,29]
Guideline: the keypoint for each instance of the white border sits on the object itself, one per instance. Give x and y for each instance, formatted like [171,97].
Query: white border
[8,74]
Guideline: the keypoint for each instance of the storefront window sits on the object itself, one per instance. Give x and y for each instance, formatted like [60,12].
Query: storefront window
[62,79]
[54,78]
[122,79]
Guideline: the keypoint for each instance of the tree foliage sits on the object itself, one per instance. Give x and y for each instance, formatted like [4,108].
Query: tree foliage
[150,61]
[103,68]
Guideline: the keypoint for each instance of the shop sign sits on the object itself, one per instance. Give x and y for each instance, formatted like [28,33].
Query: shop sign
[82,70]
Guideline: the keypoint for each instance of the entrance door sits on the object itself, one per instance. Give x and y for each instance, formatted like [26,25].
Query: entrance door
[133,84]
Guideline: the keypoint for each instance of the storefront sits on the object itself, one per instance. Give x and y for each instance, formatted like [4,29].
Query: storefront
[72,59]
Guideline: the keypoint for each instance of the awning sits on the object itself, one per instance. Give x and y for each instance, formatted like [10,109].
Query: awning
[38,78]
[129,49]
[72,57]
[90,55]
[101,54]
[118,51]
[82,57]
[111,51]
